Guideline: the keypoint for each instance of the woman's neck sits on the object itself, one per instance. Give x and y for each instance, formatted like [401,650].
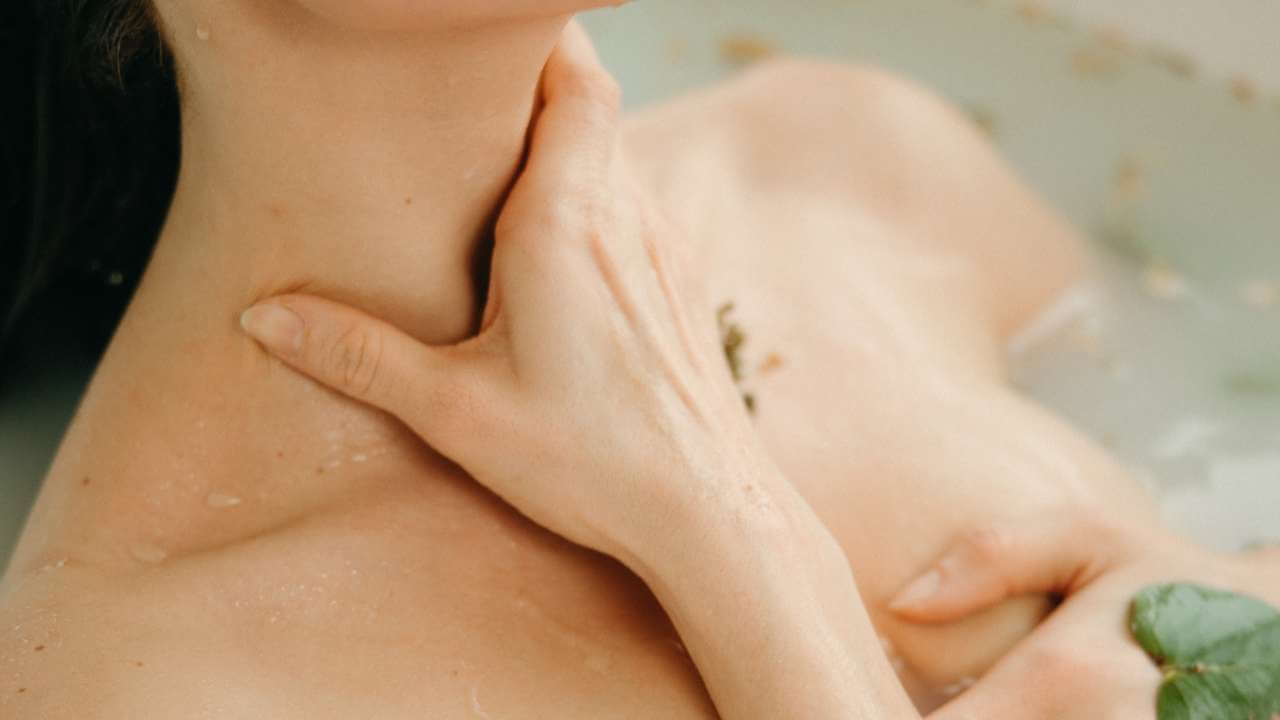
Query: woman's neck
[363,167]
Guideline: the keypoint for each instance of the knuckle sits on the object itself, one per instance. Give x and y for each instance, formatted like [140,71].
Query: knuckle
[608,93]
[989,543]
[581,214]
[354,359]
[570,215]
[596,94]
[597,86]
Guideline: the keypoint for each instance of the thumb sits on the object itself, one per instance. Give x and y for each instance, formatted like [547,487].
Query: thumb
[366,359]
[1041,554]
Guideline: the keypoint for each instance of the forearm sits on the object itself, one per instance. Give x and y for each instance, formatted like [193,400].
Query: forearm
[769,611]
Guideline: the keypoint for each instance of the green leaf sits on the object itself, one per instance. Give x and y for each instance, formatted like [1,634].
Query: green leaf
[1219,652]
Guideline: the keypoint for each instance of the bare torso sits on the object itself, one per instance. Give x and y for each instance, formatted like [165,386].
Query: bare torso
[192,557]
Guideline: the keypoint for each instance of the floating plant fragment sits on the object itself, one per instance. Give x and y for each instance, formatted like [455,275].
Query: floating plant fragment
[1219,652]
[732,340]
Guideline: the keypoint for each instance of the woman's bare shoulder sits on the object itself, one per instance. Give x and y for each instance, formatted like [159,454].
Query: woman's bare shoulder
[878,145]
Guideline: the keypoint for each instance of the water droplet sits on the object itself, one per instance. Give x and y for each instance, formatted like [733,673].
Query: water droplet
[221,501]
[476,707]
[202,32]
[957,687]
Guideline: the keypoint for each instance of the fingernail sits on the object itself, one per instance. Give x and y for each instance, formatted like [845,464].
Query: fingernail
[920,590]
[275,326]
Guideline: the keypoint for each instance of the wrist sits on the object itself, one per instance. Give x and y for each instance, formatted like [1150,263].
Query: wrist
[764,595]
[761,559]
[746,520]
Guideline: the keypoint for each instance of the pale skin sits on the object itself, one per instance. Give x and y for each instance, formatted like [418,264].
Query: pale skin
[1079,664]
[362,574]
[622,427]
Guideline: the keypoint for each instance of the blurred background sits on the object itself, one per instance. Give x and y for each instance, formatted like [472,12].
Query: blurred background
[1229,38]
[1153,124]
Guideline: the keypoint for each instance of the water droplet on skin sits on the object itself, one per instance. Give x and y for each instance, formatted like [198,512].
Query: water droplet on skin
[202,32]
[891,652]
[221,501]
[475,704]
[957,687]
[148,553]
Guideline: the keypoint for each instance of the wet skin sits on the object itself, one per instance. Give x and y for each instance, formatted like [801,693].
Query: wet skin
[878,256]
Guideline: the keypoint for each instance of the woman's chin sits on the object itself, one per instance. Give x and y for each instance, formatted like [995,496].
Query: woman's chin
[410,16]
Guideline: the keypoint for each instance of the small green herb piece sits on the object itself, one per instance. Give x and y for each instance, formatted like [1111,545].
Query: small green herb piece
[985,120]
[732,338]
[1219,652]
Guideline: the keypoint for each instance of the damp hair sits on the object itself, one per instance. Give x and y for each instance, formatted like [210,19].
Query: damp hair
[88,161]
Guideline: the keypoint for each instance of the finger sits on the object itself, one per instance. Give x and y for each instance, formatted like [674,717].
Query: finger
[1004,560]
[564,190]
[576,133]
[365,359]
